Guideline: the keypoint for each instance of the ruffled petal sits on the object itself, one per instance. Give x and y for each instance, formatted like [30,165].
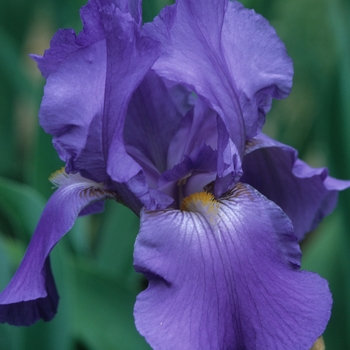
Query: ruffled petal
[126,49]
[225,275]
[31,294]
[130,55]
[72,107]
[227,54]
[66,42]
[304,193]
[83,117]
[190,35]
[258,62]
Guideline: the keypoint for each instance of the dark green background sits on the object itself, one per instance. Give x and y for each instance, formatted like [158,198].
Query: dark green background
[93,264]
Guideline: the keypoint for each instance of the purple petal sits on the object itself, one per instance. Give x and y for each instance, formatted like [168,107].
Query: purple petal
[204,170]
[129,57]
[226,276]
[31,294]
[152,120]
[130,6]
[178,172]
[72,107]
[193,174]
[192,155]
[190,35]
[305,194]
[126,49]
[136,194]
[94,208]
[84,117]
[229,168]
[258,62]
[66,42]
[198,127]
[229,55]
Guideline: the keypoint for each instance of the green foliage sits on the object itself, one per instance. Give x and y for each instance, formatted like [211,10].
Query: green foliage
[93,263]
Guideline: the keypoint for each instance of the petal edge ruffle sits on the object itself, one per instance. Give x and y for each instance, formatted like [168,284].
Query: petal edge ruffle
[304,193]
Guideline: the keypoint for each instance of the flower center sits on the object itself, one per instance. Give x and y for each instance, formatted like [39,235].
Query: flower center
[205,204]
[201,202]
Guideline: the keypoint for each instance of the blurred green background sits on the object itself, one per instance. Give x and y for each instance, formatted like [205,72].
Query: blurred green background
[93,263]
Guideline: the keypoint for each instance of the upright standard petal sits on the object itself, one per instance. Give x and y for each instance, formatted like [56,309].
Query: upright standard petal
[130,56]
[225,275]
[84,118]
[72,110]
[31,294]
[126,50]
[305,194]
[229,55]
[65,41]
[72,107]
[258,62]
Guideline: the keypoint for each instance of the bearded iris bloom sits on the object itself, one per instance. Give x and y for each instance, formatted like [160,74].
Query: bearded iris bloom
[167,118]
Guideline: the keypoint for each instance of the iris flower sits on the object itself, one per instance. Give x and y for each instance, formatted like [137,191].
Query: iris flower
[166,118]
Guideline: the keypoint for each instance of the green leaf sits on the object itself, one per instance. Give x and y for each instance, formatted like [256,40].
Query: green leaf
[21,206]
[104,311]
[115,243]
[11,338]
[45,162]
[326,254]
[10,64]
[151,8]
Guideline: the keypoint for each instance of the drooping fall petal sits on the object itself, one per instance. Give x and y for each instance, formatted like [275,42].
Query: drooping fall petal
[226,275]
[31,294]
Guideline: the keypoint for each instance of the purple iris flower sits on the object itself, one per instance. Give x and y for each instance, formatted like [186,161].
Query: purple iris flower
[166,118]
